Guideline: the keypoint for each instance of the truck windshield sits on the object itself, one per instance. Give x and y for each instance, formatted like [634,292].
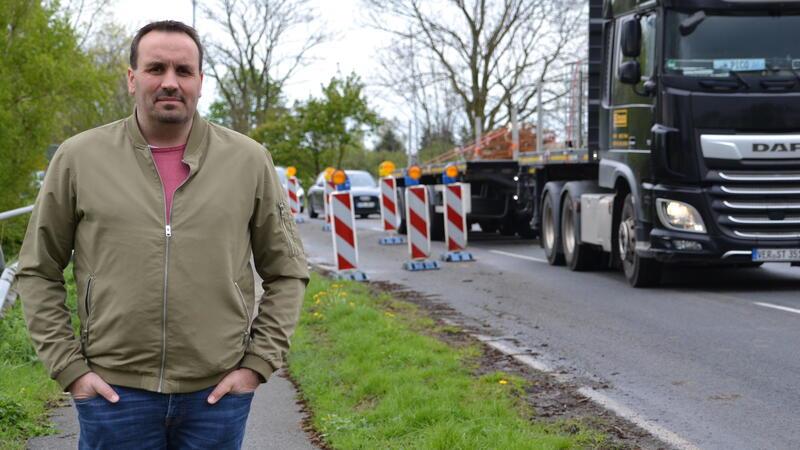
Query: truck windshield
[752,45]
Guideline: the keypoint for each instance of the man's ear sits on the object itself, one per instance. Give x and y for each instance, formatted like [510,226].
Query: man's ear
[131,84]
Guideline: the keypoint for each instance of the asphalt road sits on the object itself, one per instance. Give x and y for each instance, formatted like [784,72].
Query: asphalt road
[712,356]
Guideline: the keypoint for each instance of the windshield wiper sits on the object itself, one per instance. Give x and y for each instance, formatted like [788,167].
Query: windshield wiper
[738,76]
[728,85]
[689,24]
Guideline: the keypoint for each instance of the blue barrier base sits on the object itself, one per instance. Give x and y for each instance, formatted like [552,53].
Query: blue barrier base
[392,240]
[326,227]
[299,219]
[351,275]
[457,257]
[424,264]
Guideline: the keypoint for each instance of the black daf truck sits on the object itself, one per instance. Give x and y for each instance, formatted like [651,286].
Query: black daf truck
[693,141]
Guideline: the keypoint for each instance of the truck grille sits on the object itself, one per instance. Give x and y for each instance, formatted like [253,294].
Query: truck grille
[756,205]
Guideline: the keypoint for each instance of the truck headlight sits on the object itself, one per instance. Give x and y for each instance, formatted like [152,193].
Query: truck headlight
[680,216]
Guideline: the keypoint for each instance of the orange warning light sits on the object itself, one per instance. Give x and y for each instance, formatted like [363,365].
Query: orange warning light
[414,172]
[386,168]
[339,177]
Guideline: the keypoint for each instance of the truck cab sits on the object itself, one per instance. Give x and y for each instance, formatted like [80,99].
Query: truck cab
[694,123]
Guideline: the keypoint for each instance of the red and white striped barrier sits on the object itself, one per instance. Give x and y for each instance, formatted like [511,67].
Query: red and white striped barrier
[326,200]
[418,226]
[389,216]
[292,189]
[455,230]
[345,242]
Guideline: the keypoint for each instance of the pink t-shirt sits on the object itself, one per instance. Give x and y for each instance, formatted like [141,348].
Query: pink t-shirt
[172,170]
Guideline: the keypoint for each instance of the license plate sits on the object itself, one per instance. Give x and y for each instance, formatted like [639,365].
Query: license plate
[776,254]
[365,205]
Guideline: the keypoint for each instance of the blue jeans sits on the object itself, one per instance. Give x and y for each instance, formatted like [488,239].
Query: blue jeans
[148,420]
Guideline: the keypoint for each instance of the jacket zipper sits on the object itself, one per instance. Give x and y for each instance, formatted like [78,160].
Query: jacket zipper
[87,304]
[246,313]
[167,236]
[289,240]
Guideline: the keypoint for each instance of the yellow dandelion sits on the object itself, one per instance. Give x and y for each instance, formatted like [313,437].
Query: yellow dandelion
[503,381]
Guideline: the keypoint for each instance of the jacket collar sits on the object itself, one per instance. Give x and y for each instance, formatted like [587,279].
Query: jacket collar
[195,146]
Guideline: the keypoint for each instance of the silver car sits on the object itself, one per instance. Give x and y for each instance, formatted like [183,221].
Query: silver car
[365,194]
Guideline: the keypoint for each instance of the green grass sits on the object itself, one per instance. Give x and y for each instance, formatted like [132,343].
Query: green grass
[373,379]
[25,388]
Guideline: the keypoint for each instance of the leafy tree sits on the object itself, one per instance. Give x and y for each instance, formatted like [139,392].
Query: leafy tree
[107,49]
[363,159]
[435,142]
[42,73]
[282,134]
[335,123]
[389,142]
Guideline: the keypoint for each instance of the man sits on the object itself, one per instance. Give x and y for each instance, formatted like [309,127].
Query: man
[163,211]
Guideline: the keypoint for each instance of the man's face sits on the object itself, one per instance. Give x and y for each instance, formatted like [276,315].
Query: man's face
[167,81]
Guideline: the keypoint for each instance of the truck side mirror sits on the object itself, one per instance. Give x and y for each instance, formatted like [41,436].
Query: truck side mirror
[630,72]
[631,38]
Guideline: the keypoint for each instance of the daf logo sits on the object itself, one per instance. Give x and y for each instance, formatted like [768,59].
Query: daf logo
[779,147]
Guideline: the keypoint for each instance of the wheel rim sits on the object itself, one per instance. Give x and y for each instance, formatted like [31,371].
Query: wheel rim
[627,241]
[568,229]
[548,228]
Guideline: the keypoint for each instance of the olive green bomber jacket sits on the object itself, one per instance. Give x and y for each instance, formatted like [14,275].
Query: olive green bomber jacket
[162,307]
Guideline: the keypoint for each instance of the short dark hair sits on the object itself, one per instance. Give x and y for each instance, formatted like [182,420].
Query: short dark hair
[169,26]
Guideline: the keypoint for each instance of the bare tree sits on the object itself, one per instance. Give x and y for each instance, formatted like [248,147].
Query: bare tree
[489,53]
[266,42]
[83,16]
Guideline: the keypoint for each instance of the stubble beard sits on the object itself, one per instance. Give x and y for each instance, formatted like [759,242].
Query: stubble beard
[172,116]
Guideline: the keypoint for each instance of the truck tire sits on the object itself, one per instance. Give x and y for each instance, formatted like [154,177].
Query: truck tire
[311,213]
[577,256]
[550,239]
[640,272]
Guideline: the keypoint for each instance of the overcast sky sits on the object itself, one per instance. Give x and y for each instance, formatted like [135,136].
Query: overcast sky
[353,50]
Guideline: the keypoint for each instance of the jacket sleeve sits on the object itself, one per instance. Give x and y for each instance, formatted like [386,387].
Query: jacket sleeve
[46,252]
[280,261]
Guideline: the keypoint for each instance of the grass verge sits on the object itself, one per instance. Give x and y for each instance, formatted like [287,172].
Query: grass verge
[373,378]
[26,391]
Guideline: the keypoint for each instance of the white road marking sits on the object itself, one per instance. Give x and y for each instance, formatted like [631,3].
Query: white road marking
[601,399]
[621,410]
[782,308]
[515,255]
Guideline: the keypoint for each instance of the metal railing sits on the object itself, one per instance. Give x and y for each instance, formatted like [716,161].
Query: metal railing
[7,293]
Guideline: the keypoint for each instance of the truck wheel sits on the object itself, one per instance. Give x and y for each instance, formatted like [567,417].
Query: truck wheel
[551,243]
[311,213]
[576,255]
[640,272]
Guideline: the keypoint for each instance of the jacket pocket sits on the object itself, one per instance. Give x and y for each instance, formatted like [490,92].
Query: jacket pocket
[287,225]
[87,308]
[246,313]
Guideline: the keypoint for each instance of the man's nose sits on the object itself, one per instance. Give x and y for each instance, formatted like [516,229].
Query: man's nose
[170,80]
